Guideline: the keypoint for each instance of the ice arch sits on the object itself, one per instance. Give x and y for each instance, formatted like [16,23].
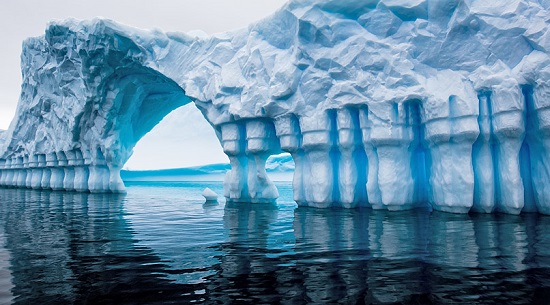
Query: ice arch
[137,98]
[380,104]
[134,99]
[91,91]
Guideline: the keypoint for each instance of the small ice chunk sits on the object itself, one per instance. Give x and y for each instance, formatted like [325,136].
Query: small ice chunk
[209,195]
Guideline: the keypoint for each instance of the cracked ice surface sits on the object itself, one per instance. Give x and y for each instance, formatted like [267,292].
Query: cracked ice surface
[388,104]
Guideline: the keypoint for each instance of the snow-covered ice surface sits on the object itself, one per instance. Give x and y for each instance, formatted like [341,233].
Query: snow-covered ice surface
[389,104]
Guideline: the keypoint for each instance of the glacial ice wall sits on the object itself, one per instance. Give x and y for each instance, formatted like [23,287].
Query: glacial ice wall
[388,104]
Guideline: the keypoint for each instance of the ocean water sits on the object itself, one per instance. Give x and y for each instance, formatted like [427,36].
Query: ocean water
[160,244]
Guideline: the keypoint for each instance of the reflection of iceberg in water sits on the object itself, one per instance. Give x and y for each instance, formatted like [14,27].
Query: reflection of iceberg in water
[75,248]
[418,257]
[310,255]
[245,273]
[334,248]
[5,274]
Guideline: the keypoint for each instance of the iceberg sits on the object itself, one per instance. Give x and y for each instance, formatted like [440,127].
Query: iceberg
[385,104]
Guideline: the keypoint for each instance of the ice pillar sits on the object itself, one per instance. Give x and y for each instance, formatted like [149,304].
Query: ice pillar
[8,173]
[290,138]
[116,185]
[36,164]
[22,178]
[538,120]
[2,172]
[451,138]
[318,166]
[233,139]
[48,164]
[81,172]
[352,159]
[508,126]
[99,176]
[69,170]
[261,142]
[390,143]
[57,171]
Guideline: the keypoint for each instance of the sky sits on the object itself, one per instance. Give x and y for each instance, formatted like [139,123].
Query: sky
[183,138]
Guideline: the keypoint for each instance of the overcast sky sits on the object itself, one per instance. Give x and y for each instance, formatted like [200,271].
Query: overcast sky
[175,142]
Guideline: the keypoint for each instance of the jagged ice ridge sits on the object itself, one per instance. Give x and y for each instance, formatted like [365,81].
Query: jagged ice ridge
[388,104]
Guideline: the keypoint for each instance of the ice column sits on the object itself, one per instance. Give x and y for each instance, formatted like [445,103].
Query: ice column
[8,173]
[18,172]
[538,100]
[5,172]
[81,172]
[261,143]
[57,171]
[116,185]
[68,169]
[16,165]
[98,180]
[318,165]
[14,172]
[391,142]
[233,141]
[248,144]
[47,172]
[38,161]
[451,137]
[290,137]
[2,172]
[509,131]
[22,178]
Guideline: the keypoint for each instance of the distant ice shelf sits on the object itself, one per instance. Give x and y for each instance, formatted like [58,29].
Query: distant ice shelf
[385,104]
[278,167]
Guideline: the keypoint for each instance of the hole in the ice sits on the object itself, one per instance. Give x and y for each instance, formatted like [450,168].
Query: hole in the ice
[280,167]
[178,148]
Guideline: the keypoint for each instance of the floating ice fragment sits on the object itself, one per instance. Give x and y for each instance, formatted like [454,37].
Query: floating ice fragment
[209,195]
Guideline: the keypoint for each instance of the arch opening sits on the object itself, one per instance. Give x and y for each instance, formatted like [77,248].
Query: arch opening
[179,147]
[134,102]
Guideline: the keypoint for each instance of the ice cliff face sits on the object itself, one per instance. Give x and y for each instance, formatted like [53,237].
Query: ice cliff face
[388,104]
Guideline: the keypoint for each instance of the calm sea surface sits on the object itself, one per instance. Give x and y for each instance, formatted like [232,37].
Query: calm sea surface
[160,244]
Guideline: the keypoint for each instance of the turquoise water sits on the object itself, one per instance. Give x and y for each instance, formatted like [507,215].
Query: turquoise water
[160,244]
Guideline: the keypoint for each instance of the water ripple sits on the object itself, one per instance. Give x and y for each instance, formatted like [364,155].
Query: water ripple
[160,244]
